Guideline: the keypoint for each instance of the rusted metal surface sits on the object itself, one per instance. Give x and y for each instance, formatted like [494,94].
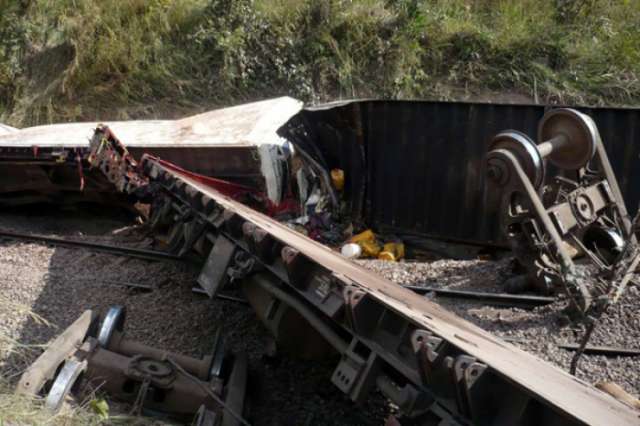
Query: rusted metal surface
[578,217]
[154,380]
[112,158]
[367,139]
[392,150]
[30,175]
[440,363]
[424,358]
[239,143]
[198,367]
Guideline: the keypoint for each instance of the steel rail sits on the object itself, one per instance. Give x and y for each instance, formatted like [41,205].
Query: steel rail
[220,296]
[106,248]
[493,299]
[493,381]
[609,351]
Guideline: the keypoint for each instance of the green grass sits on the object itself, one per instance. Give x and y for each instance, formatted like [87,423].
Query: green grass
[21,410]
[84,59]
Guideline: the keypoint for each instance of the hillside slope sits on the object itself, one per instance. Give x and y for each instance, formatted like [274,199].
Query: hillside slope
[84,59]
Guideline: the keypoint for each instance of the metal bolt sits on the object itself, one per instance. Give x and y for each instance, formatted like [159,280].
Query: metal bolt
[493,172]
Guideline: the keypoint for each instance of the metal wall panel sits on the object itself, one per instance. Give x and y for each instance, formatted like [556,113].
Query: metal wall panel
[424,160]
[235,163]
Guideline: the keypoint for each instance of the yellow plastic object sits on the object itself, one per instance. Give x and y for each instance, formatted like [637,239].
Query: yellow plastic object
[337,177]
[399,247]
[387,255]
[392,252]
[370,248]
[367,235]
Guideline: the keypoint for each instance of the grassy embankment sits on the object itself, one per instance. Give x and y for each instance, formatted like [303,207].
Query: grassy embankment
[82,59]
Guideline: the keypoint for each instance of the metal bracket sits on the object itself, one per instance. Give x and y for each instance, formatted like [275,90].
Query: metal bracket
[161,214]
[243,265]
[193,230]
[363,311]
[430,351]
[298,267]
[356,374]
[214,272]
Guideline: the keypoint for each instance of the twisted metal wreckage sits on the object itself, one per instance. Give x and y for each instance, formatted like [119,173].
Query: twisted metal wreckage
[235,207]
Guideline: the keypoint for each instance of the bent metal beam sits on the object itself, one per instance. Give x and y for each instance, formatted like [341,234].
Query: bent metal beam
[423,357]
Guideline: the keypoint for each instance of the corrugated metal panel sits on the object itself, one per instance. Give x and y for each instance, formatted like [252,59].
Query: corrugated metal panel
[424,160]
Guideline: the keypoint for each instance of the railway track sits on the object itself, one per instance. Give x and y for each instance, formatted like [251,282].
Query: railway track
[491,299]
[433,365]
[103,248]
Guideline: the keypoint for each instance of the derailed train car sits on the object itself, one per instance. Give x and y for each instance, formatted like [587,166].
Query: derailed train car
[368,139]
[410,167]
[238,144]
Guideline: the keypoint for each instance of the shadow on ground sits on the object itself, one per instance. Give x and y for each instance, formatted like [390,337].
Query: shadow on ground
[58,284]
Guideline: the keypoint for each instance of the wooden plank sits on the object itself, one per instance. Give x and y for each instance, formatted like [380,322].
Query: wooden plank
[43,369]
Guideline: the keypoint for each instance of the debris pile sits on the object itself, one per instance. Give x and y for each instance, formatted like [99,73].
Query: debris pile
[366,244]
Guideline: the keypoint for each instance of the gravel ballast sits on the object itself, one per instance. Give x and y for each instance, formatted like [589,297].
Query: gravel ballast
[58,284]
[538,331]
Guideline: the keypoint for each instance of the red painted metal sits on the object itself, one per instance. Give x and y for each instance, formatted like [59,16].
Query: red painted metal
[233,190]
